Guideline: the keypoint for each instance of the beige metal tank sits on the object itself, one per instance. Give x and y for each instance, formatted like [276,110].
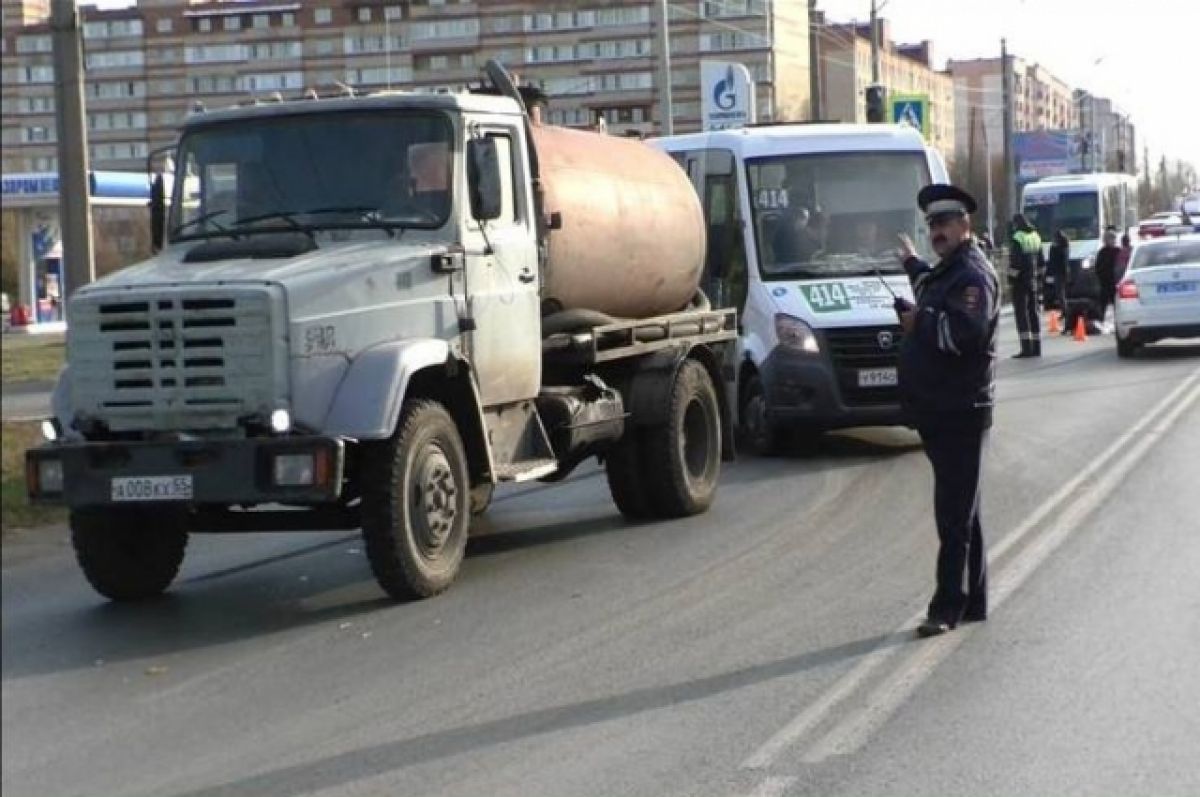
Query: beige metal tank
[632,239]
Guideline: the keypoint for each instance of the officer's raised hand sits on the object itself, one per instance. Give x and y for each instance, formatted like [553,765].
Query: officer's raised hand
[903,307]
[906,249]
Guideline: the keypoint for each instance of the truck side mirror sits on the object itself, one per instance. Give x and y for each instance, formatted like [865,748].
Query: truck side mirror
[158,213]
[483,176]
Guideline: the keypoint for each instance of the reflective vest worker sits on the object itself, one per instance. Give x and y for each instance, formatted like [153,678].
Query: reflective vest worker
[1024,265]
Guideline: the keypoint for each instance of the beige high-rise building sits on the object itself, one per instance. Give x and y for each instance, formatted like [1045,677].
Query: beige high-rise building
[1041,101]
[845,66]
[150,65]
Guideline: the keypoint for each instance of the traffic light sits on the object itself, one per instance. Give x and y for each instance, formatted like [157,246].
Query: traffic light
[876,100]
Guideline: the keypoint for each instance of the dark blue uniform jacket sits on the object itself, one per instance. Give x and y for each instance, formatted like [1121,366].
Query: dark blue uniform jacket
[948,363]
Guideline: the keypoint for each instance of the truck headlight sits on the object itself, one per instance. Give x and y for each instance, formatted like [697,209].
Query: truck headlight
[795,334]
[295,470]
[281,421]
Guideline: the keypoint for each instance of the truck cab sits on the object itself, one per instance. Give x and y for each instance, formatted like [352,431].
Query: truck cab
[802,224]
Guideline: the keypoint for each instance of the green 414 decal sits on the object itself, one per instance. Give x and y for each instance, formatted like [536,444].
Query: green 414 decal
[827,298]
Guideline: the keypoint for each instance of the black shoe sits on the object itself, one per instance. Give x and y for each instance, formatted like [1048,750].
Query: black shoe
[974,617]
[931,627]
[1022,355]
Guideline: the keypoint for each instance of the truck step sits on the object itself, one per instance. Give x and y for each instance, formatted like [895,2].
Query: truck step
[526,470]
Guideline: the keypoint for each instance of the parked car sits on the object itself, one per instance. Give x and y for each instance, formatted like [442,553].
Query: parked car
[1157,225]
[1159,297]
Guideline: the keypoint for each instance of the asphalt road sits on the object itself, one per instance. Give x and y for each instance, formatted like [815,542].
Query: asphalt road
[762,649]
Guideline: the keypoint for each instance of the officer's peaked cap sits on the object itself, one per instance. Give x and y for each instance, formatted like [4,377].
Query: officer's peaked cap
[942,198]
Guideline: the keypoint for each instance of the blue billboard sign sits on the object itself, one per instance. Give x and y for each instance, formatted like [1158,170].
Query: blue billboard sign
[1045,153]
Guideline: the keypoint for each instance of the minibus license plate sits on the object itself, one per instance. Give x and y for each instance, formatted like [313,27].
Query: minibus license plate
[877,377]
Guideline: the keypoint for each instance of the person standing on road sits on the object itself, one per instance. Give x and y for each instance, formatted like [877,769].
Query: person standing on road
[947,390]
[1024,262]
[1106,271]
[1123,257]
[1057,267]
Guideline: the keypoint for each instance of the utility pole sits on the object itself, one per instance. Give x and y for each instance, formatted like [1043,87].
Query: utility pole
[1010,170]
[874,43]
[814,60]
[1162,183]
[1148,193]
[971,146]
[74,190]
[987,159]
[665,107]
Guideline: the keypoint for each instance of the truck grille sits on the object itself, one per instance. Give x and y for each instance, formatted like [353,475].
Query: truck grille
[857,348]
[174,360]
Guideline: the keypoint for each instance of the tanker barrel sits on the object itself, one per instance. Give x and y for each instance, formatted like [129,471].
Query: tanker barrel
[631,242]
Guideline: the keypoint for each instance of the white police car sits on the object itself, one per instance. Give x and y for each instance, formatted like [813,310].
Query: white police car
[1159,295]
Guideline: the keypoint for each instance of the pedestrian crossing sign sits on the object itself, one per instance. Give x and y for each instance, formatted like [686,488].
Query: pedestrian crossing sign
[911,110]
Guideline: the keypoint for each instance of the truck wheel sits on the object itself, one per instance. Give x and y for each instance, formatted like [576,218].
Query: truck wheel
[683,456]
[760,435]
[129,554]
[417,504]
[623,464]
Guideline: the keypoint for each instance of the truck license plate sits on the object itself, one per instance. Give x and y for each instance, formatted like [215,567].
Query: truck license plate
[152,488]
[877,377]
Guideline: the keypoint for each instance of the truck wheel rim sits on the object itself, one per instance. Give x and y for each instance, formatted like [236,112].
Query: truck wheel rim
[433,501]
[696,444]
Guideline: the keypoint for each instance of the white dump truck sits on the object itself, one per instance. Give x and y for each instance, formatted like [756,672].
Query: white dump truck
[366,312]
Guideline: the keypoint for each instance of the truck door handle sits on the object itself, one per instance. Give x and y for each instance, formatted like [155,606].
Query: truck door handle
[526,276]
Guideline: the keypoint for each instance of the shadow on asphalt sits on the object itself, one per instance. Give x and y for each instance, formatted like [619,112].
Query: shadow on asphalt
[206,610]
[831,451]
[487,542]
[306,586]
[1166,352]
[379,759]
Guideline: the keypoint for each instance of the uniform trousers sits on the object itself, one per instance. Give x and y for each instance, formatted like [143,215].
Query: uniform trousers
[956,453]
[1025,311]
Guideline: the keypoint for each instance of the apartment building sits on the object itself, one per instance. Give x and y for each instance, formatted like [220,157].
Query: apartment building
[150,65]
[1110,131]
[845,67]
[1041,101]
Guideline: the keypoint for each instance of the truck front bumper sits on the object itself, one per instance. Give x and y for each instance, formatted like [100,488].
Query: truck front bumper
[246,472]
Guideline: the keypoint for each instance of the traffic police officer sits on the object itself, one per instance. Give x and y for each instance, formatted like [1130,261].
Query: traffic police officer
[947,385]
[1024,278]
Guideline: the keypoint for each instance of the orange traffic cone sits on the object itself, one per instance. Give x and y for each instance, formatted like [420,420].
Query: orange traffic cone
[1080,328]
[1052,325]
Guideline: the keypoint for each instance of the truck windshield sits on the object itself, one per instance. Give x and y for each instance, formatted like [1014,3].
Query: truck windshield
[345,170]
[832,215]
[1077,214]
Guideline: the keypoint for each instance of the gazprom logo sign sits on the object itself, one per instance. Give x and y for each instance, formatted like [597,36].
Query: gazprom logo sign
[727,95]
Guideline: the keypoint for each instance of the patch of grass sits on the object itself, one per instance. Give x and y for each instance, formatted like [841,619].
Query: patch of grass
[32,357]
[17,512]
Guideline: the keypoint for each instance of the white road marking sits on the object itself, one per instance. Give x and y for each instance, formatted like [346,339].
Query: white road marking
[855,729]
[1090,488]
[773,787]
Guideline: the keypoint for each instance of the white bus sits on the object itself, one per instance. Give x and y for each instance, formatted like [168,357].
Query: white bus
[1082,206]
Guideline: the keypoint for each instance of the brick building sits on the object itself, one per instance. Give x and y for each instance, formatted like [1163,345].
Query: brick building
[845,67]
[1041,101]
